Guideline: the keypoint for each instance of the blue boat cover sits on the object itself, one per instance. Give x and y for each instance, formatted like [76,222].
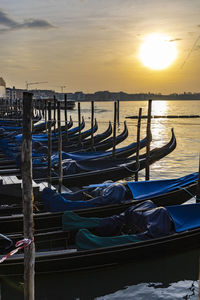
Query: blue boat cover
[139,222]
[142,190]
[185,217]
[55,202]
[78,156]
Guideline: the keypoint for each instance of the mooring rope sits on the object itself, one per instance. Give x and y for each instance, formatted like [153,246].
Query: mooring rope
[19,245]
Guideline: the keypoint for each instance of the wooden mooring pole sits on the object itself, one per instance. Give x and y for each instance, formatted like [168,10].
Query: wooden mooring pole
[114,130]
[79,122]
[198,185]
[149,138]
[54,115]
[59,149]
[118,112]
[49,143]
[138,143]
[66,125]
[92,125]
[27,196]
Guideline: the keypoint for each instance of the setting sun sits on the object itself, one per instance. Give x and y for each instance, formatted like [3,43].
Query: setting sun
[158,52]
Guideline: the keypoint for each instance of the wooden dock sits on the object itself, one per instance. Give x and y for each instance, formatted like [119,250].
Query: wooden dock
[165,117]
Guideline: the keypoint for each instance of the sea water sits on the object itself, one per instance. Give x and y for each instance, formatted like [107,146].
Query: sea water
[165,277]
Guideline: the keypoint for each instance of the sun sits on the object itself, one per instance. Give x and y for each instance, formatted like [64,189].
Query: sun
[158,51]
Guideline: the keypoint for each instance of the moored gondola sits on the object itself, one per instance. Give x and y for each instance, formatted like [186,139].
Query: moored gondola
[71,259]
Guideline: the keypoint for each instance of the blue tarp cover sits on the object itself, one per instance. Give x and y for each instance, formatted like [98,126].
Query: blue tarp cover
[55,202]
[142,221]
[142,190]
[185,217]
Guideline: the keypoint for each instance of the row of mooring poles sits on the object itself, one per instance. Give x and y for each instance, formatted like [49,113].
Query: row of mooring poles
[116,113]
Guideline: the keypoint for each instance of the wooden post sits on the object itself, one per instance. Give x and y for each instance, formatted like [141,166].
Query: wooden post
[79,121]
[92,125]
[138,143]
[198,185]
[114,130]
[45,114]
[27,195]
[149,138]
[118,112]
[66,125]
[39,107]
[49,143]
[59,148]
[54,115]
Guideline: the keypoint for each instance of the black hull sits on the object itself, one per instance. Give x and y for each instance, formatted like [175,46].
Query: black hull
[117,169]
[98,258]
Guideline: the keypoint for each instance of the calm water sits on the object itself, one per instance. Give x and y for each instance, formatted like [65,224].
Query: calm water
[172,277]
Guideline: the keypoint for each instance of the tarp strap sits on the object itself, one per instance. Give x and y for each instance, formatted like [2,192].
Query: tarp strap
[185,189]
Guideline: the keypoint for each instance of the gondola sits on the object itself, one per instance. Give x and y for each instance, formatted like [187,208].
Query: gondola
[87,172]
[43,138]
[120,153]
[85,143]
[161,192]
[108,143]
[69,258]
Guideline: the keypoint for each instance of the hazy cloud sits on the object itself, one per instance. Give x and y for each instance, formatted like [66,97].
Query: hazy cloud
[10,24]
[176,40]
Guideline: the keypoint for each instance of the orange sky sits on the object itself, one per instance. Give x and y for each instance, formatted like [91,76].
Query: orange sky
[93,45]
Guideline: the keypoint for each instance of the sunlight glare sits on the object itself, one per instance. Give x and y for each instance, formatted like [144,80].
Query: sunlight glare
[157,51]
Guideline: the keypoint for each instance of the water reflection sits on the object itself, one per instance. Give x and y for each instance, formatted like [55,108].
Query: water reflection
[159,108]
[172,277]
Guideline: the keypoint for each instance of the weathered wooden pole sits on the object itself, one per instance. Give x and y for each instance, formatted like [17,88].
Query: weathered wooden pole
[198,185]
[59,148]
[114,130]
[49,143]
[138,143]
[39,107]
[118,112]
[92,125]
[54,115]
[66,125]
[149,138]
[27,195]
[79,122]
[45,114]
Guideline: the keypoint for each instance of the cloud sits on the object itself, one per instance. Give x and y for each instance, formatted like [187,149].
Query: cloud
[176,40]
[36,23]
[10,24]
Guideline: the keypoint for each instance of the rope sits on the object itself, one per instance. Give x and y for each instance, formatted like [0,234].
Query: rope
[133,171]
[19,245]
[182,188]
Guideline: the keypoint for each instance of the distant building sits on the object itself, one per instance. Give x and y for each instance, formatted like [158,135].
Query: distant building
[14,94]
[2,88]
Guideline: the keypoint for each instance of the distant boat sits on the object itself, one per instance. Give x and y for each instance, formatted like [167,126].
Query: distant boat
[40,103]
[70,104]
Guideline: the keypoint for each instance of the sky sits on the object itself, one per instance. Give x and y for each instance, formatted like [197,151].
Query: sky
[93,45]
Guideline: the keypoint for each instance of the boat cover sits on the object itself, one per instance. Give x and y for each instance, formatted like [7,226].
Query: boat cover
[55,202]
[139,222]
[85,240]
[185,216]
[77,156]
[142,190]
[43,137]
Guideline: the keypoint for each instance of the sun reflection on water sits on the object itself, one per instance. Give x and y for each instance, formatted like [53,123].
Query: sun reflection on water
[159,108]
